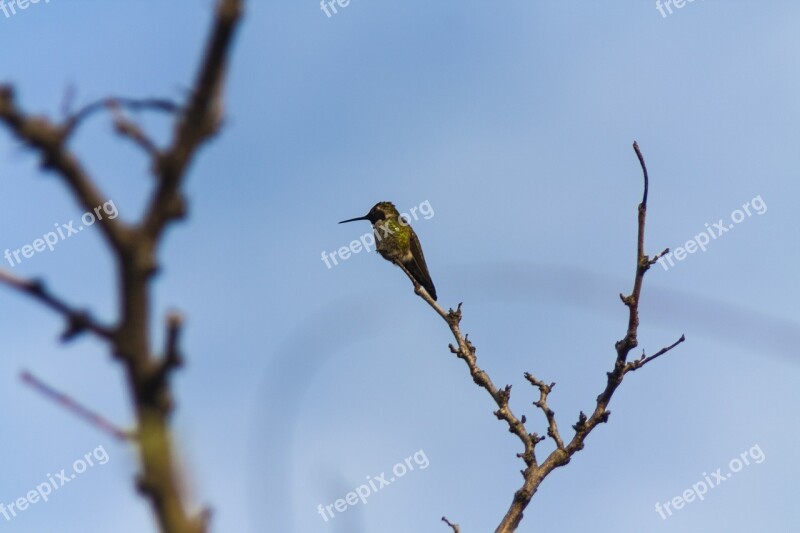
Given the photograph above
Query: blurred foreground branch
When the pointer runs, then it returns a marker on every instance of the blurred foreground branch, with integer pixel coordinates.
(134, 246)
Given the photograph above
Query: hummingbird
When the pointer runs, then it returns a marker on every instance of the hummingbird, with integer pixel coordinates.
(398, 243)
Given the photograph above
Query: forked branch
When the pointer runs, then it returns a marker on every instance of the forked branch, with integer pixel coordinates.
(535, 472)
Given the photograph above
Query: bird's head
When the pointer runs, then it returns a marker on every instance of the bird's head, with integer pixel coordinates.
(379, 212)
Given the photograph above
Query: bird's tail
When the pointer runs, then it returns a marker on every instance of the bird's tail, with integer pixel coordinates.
(422, 277)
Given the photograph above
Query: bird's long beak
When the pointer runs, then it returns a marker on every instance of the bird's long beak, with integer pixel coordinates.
(365, 217)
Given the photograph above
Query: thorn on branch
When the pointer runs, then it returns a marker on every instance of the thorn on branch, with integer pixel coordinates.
(132, 104)
(145, 487)
(580, 426)
(454, 317)
(7, 93)
(77, 324)
(503, 395)
(171, 360)
(172, 354)
(658, 256)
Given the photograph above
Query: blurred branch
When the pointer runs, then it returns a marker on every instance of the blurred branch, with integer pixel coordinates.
(76, 408)
(77, 321)
(131, 104)
(199, 122)
(47, 140)
(132, 131)
(135, 250)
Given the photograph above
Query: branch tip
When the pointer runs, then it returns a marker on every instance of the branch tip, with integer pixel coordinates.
(456, 528)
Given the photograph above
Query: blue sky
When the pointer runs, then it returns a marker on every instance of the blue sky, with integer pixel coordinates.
(514, 120)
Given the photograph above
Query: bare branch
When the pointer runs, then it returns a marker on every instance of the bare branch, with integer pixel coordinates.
(465, 350)
(659, 255)
(644, 171)
(132, 104)
(200, 121)
(132, 131)
(639, 363)
(535, 472)
(135, 250)
(623, 347)
(541, 403)
(77, 321)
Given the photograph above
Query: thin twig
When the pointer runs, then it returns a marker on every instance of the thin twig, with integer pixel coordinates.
(644, 171)
(131, 104)
(76, 408)
(48, 141)
(456, 528)
(541, 403)
(639, 363)
(658, 256)
(132, 131)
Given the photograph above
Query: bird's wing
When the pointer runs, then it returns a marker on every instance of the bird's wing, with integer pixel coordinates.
(419, 268)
